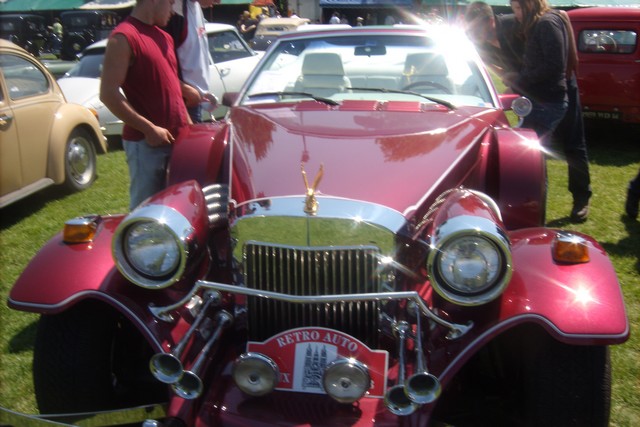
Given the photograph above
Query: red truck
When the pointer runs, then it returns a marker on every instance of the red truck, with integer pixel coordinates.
(609, 62)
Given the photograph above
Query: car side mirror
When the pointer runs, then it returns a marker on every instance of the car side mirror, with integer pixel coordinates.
(229, 98)
(520, 105)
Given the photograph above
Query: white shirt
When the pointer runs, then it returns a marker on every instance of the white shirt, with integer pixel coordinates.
(193, 53)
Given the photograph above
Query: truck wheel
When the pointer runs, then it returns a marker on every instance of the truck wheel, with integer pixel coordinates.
(85, 360)
(80, 162)
(568, 385)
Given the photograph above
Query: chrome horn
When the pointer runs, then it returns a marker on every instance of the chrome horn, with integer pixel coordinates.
(189, 386)
(421, 387)
(167, 367)
(396, 399)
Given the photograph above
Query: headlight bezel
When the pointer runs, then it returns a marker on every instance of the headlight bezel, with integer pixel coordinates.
(453, 231)
(170, 221)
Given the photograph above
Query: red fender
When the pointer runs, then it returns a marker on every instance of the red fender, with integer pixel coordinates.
(522, 176)
(198, 154)
(62, 274)
(577, 303)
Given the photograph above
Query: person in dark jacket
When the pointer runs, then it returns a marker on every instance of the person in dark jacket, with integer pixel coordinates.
(496, 38)
(547, 78)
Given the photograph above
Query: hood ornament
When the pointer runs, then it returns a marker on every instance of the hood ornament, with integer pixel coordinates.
(310, 202)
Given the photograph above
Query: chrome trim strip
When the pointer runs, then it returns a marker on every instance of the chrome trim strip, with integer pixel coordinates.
(332, 207)
(456, 330)
(104, 418)
(481, 339)
(412, 209)
(80, 296)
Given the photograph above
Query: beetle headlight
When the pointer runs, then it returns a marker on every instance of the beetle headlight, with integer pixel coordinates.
(151, 246)
(470, 260)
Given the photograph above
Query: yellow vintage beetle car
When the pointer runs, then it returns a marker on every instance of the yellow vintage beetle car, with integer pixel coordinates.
(44, 139)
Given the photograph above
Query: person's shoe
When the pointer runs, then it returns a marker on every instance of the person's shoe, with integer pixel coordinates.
(631, 204)
(580, 210)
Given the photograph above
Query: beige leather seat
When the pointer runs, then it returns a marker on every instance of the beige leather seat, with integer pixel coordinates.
(427, 67)
(322, 74)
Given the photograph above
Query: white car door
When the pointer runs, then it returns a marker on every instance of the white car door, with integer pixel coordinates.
(233, 61)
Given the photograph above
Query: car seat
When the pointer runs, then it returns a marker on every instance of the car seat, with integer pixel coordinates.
(427, 67)
(322, 74)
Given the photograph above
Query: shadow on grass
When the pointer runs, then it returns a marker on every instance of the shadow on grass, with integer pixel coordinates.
(23, 340)
(15, 212)
(627, 247)
(613, 145)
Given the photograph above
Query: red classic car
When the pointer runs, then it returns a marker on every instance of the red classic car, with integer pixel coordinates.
(360, 242)
(609, 62)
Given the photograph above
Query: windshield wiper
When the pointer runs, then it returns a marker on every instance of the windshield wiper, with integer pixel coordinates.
(327, 101)
(407, 92)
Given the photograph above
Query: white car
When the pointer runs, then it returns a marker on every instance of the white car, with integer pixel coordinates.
(231, 62)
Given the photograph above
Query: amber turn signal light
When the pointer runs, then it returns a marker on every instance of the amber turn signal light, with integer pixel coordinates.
(80, 230)
(569, 248)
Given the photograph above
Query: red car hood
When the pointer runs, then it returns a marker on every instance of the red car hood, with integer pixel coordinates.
(397, 157)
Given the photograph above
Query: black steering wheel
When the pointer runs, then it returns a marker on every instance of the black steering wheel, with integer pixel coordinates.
(427, 83)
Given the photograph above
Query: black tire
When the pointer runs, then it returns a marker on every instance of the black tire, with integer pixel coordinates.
(80, 162)
(86, 359)
(568, 385)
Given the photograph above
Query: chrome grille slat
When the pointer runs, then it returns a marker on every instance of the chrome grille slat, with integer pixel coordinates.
(312, 271)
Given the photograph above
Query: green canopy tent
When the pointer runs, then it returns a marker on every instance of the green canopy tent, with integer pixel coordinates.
(14, 6)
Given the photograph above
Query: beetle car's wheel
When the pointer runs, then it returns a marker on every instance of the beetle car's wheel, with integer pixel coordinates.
(80, 162)
(568, 385)
(88, 359)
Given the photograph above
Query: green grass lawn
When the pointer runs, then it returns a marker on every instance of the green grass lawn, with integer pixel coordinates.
(27, 225)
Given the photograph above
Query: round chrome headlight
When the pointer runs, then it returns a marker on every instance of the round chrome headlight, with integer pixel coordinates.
(150, 246)
(346, 380)
(151, 249)
(470, 261)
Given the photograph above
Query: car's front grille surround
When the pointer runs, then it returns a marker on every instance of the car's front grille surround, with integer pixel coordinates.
(312, 271)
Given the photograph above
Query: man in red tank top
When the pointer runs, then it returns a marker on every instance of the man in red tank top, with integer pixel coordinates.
(140, 60)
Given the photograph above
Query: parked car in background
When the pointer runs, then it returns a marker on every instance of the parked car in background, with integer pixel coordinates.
(25, 30)
(45, 140)
(360, 241)
(58, 67)
(609, 62)
(232, 60)
(270, 28)
(83, 27)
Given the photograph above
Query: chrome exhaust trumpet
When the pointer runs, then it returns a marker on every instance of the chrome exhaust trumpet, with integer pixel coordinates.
(421, 387)
(189, 386)
(396, 399)
(167, 367)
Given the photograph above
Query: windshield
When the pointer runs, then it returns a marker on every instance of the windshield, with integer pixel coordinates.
(90, 65)
(369, 67)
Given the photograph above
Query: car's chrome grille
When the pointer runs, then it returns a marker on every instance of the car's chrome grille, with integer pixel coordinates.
(312, 271)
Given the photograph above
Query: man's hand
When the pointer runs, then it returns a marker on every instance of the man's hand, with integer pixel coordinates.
(158, 136)
(190, 95)
(211, 101)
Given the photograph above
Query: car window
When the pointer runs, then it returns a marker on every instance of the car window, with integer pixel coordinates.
(226, 46)
(90, 65)
(607, 41)
(22, 77)
(7, 27)
(380, 68)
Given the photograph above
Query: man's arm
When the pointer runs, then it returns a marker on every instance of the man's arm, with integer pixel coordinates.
(115, 66)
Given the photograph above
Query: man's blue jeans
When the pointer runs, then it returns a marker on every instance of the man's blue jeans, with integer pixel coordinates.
(147, 169)
(544, 119)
